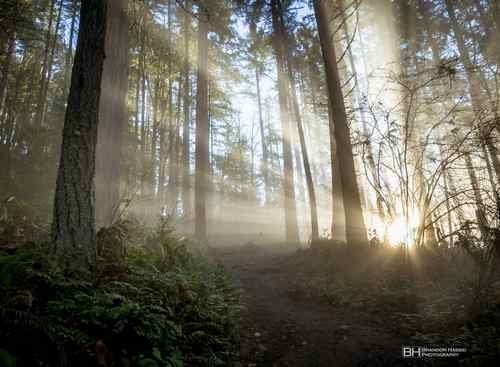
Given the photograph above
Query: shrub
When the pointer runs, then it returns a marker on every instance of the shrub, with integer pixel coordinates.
(156, 305)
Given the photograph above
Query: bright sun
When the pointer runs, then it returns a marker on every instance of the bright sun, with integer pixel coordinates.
(399, 231)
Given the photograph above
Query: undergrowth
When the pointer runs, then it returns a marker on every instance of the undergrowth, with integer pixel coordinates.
(431, 297)
(155, 301)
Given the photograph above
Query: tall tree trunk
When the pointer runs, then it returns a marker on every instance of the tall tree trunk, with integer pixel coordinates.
(171, 187)
(337, 226)
(49, 144)
(157, 110)
(291, 226)
(144, 166)
(474, 89)
(305, 157)
(202, 134)
(112, 114)
(257, 43)
(73, 226)
(475, 95)
(375, 177)
(43, 73)
(51, 61)
(163, 151)
(4, 70)
(355, 224)
(174, 159)
(186, 178)
(42, 93)
(265, 166)
(69, 51)
(136, 166)
(436, 56)
(476, 189)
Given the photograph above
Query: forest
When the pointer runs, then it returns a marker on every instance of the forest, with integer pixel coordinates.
(249, 183)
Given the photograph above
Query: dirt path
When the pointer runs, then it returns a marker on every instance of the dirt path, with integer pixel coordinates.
(282, 328)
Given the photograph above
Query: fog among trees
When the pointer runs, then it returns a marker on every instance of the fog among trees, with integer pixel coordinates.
(355, 141)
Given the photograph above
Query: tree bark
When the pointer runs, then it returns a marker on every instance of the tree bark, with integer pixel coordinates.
(355, 225)
(143, 141)
(265, 165)
(186, 178)
(305, 157)
(291, 226)
(112, 114)
(475, 95)
(474, 90)
(73, 226)
(69, 51)
(4, 70)
(257, 43)
(44, 81)
(359, 101)
(202, 134)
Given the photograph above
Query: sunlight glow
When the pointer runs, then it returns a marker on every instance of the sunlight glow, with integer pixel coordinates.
(399, 231)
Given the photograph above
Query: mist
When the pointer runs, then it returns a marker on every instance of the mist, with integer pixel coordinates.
(284, 182)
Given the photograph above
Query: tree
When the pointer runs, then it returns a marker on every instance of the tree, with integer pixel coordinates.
(489, 149)
(202, 132)
(355, 225)
(298, 118)
(112, 114)
(73, 225)
(256, 47)
(291, 226)
(186, 177)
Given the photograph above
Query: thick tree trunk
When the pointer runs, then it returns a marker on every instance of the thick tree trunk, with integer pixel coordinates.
(355, 224)
(112, 114)
(202, 134)
(291, 226)
(73, 226)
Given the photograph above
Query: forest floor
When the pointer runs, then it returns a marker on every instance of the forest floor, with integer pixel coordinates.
(284, 327)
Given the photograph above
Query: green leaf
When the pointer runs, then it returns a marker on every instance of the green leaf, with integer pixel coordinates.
(157, 354)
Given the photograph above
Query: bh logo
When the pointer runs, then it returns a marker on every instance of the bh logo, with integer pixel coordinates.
(411, 352)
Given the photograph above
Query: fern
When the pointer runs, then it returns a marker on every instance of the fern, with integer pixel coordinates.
(156, 305)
